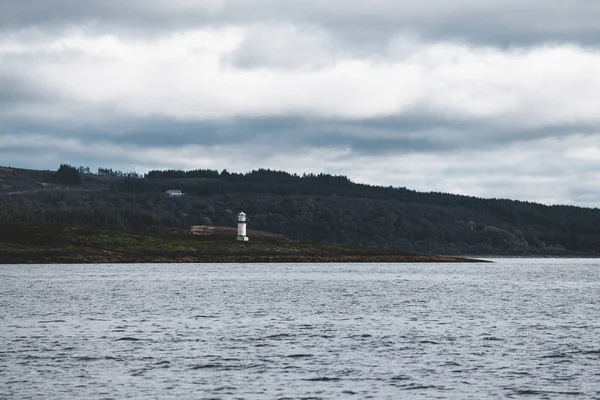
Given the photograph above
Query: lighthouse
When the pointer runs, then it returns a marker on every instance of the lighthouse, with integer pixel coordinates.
(241, 236)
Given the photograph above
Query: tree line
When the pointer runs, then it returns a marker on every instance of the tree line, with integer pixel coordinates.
(315, 207)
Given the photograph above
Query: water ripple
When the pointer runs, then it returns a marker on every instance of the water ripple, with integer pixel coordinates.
(514, 329)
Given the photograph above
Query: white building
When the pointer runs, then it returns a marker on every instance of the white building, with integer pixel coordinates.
(241, 236)
(174, 193)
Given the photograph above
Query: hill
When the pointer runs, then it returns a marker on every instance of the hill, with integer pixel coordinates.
(308, 208)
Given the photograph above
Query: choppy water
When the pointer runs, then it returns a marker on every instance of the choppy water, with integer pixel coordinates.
(517, 328)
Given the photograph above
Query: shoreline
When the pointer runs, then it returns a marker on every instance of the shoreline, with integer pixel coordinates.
(51, 244)
(41, 258)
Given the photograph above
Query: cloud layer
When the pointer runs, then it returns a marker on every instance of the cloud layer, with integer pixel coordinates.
(505, 22)
(495, 99)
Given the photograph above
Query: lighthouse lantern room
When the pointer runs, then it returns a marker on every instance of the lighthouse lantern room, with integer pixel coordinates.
(241, 236)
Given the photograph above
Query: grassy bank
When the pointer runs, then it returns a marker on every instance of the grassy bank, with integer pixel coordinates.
(41, 243)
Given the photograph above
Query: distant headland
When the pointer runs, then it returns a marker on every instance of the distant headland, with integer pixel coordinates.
(308, 208)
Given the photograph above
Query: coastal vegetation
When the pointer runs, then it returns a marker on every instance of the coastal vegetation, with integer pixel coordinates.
(52, 243)
(305, 208)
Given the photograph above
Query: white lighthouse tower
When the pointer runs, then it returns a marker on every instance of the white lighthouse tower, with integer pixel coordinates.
(242, 227)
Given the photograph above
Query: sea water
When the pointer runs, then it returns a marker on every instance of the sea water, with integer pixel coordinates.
(515, 328)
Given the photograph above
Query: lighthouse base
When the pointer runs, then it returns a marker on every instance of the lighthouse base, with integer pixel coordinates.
(242, 238)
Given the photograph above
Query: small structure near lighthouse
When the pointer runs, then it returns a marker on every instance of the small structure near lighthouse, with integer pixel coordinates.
(241, 236)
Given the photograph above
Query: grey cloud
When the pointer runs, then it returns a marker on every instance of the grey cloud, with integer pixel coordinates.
(585, 195)
(60, 13)
(428, 133)
(498, 22)
(400, 134)
(15, 89)
(49, 157)
(276, 133)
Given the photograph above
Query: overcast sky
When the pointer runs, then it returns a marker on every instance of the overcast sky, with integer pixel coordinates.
(491, 98)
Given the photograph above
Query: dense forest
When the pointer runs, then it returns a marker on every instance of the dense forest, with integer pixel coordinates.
(309, 207)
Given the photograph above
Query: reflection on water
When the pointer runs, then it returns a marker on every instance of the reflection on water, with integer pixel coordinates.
(517, 328)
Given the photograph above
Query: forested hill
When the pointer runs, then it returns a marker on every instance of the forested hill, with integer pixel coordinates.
(304, 208)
